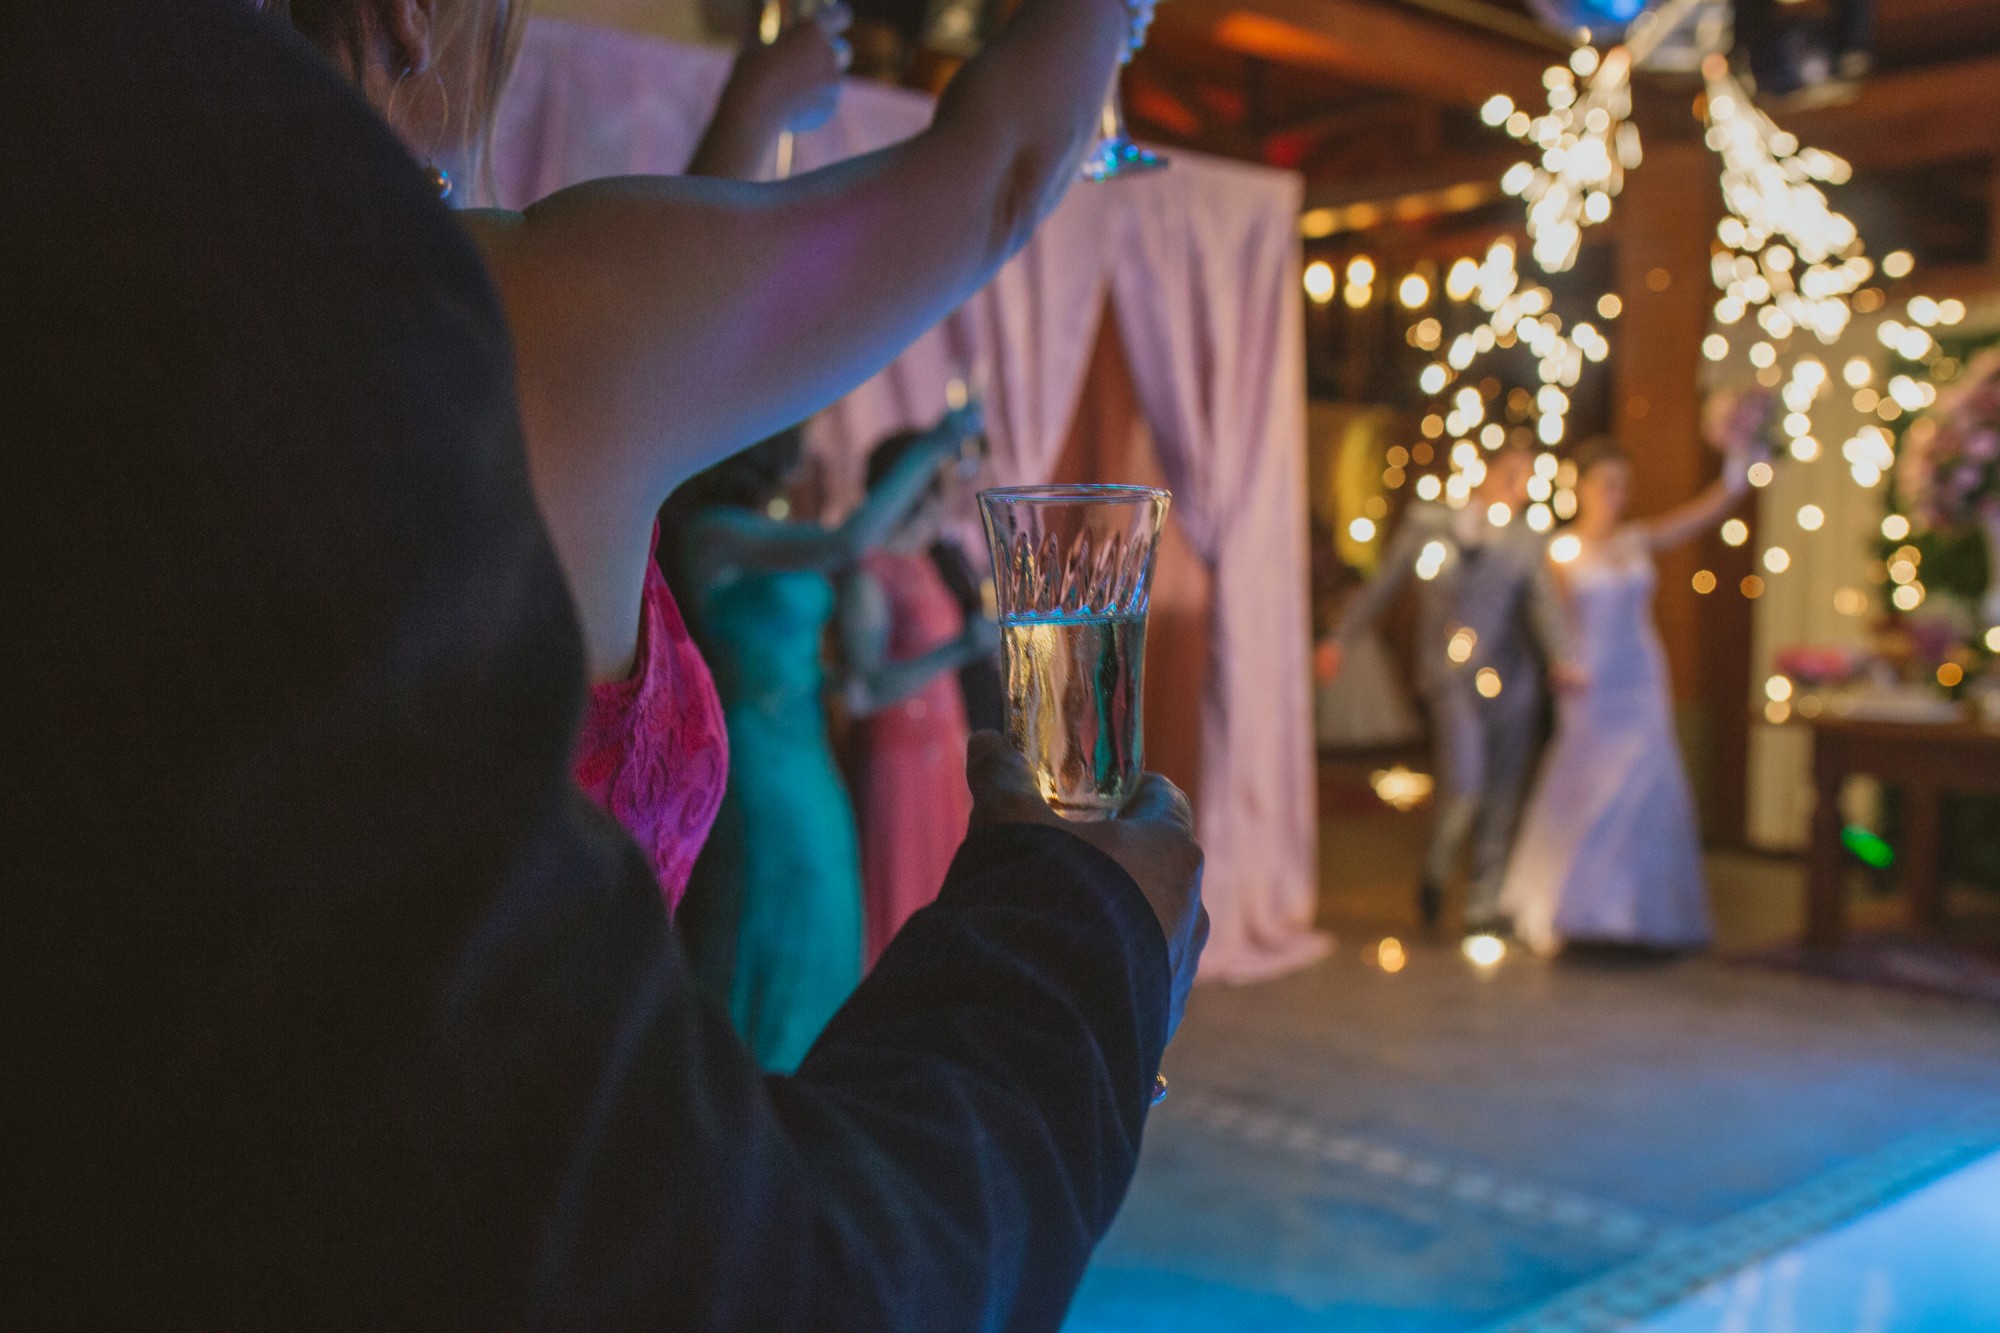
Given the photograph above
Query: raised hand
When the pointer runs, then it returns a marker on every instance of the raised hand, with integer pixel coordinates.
(795, 80)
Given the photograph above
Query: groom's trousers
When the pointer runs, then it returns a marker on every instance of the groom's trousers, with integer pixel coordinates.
(1485, 758)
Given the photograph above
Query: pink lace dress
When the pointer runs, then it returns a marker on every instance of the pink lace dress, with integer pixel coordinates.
(654, 753)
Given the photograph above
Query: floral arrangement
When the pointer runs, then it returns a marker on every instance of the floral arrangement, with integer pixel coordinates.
(1820, 666)
(1949, 468)
(1743, 422)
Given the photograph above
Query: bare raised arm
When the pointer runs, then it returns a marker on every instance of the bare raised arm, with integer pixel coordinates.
(664, 323)
(1689, 521)
(871, 682)
(791, 85)
(722, 540)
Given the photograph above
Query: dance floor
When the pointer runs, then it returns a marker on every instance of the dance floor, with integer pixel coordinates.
(1579, 1145)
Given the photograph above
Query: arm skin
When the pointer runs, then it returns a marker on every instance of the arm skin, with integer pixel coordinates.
(662, 324)
(873, 683)
(1680, 526)
(720, 541)
(1548, 620)
(791, 86)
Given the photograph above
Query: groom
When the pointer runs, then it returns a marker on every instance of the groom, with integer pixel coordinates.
(1489, 631)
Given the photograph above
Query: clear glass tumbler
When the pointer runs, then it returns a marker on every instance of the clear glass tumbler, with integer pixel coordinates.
(1073, 570)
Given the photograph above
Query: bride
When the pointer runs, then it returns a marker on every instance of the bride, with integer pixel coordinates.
(1609, 852)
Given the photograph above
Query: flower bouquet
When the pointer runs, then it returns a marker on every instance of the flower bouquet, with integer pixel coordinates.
(1949, 469)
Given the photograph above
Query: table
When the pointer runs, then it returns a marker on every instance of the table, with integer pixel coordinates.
(1926, 760)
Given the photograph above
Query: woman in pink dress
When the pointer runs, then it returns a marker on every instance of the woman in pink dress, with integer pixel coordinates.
(654, 752)
(904, 635)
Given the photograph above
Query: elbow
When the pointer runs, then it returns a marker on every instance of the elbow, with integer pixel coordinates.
(1014, 175)
(1028, 189)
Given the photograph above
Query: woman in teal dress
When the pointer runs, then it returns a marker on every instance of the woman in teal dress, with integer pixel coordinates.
(773, 918)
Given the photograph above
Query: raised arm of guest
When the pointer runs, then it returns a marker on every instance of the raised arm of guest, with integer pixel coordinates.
(789, 86)
(662, 324)
(871, 682)
(721, 539)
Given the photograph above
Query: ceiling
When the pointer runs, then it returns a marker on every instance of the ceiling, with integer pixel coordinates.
(1376, 99)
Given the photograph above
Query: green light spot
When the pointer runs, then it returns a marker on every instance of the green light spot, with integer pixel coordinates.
(1871, 850)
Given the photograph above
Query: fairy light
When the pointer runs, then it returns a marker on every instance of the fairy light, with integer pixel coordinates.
(1362, 530)
(1735, 532)
(1858, 373)
(1787, 258)
(1565, 549)
(1414, 291)
(1585, 143)
(1812, 518)
(1320, 282)
(1430, 561)
(1896, 527)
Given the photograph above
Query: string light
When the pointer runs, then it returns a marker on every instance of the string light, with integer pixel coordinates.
(1786, 255)
(1320, 282)
(1812, 518)
(1586, 143)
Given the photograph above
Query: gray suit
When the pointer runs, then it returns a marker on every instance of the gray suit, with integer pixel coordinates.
(1485, 607)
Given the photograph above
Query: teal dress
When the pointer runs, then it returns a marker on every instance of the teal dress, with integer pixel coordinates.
(773, 915)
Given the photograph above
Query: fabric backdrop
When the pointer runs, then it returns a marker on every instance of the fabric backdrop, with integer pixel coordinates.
(1199, 266)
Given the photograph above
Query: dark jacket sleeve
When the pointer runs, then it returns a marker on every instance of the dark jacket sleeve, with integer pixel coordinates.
(946, 1158)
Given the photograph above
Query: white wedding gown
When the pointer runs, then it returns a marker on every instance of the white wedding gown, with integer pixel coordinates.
(1608, 851)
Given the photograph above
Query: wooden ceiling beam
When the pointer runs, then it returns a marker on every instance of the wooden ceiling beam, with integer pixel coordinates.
(1907, 117)
(1371, 44)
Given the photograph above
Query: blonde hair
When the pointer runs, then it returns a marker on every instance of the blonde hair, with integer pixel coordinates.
(493, 28)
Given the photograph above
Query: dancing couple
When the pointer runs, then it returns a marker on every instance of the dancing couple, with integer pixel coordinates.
(1608, 851)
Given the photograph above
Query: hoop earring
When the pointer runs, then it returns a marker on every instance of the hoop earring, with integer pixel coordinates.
(440, 179)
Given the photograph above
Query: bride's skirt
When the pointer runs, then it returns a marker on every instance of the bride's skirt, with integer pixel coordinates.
(1609, 851)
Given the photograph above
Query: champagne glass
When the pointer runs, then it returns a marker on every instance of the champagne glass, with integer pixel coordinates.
(1073, 572)
(1116, 154)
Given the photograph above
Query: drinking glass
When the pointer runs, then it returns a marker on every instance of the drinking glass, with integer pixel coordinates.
(1073, 576)
(1116, 155)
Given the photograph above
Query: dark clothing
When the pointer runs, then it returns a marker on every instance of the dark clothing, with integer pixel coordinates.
(978, 680)
(332, 1004)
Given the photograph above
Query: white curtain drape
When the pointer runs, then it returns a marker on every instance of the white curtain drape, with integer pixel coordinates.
(1199, 266)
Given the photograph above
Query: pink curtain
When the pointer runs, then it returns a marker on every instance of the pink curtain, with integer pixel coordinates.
(1200, 268)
